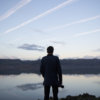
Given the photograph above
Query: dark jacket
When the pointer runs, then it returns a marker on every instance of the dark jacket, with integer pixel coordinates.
(50, 69)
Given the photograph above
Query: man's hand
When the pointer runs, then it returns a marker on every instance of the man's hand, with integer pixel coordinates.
(60, 82)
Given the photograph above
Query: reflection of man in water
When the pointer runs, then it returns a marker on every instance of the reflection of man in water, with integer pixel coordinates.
(51, 71)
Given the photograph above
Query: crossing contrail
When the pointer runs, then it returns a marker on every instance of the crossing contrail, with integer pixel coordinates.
(87, 32)
(20, 38)
(17, 39)
(41, 15)
(76, 22)
(14, 9)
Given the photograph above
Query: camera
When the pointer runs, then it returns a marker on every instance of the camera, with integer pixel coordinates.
(62, 86)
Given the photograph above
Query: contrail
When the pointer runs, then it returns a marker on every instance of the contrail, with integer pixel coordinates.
(41, 15)
(87, 32)
(14, 94)
(76, 22)
(14, 9)
(16, 40)
(19, 39)
(29, 36)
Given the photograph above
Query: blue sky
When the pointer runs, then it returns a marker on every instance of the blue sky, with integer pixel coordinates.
(28, 27)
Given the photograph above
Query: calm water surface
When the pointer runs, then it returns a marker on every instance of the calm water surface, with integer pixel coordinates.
(29, 86)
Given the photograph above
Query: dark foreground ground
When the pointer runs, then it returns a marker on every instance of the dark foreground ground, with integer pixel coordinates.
(85, 96)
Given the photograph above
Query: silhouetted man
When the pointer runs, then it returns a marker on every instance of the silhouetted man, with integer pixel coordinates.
(51, 71)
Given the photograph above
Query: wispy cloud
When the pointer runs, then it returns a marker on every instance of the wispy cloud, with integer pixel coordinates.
(59, 45)
(31, 47)
(91, 57)
(97, 50)
(46, 40)
(87, 32)
(7, 57)
(40, 31)
(57, 42)
(4, 57)
(17, 39)
(41, 15)
(85, 57)
(14, 9)
(51, 39)
(76, 22)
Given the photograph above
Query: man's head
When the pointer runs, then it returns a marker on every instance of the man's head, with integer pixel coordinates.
(50, 49)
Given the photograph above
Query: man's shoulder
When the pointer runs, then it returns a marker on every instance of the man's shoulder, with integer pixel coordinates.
(53, 56)
(44, 57)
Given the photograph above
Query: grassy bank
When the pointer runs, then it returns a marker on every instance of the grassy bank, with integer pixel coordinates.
(84, 96)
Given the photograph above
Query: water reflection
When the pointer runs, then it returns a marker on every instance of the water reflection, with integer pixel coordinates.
(92, 75)
(97, 82)
(13, 94)
(26, 87)
(29, 86)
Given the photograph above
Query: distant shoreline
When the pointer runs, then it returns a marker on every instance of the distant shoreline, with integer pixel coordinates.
(69, 66)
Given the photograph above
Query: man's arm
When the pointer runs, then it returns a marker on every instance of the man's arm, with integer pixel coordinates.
(42, 68)
(59, 70)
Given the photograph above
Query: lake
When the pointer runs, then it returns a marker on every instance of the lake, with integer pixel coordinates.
(29, 86)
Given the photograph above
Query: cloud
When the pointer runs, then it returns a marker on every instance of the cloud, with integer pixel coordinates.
(26, 87)
(59, 45)
(49, 39)
(91, 57)
(72, 57)
(6, 57)
(40, 31)
(76, 22)
(16, 39)
(31, 47)
(57, 42)
(19, 39)
(14, 57)
(97, 50)
(14, 9)
(41, 15)
(88, 57)
(8, 45)
(84, 57)
(87, 32)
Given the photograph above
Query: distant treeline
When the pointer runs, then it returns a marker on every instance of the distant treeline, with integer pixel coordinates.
(69, 66)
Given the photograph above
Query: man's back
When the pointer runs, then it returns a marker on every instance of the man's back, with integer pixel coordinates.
(51, 71)
(50, 68)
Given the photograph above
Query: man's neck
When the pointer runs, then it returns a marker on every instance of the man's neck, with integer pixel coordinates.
(50, 53)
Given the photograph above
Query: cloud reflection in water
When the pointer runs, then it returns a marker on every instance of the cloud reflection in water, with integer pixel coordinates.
(97, 82)
(26, 87)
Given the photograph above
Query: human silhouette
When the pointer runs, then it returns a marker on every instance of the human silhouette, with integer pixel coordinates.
(50, 69)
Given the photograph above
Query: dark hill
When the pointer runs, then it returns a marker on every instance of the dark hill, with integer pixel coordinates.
(69, 66)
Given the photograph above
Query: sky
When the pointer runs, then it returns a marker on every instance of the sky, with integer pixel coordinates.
(28, 27)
